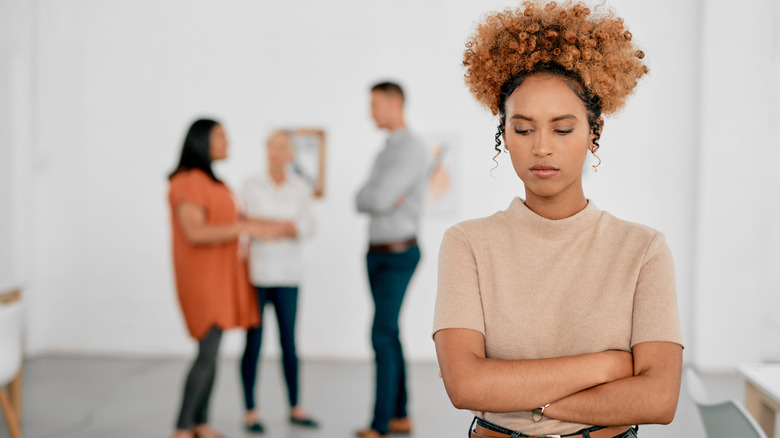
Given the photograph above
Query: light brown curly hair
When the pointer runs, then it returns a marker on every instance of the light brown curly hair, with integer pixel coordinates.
(595, 49)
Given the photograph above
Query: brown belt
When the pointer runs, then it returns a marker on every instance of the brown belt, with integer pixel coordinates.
(609, 432)
(394, 246)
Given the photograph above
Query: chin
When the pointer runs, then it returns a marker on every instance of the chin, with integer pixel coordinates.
(543, 192)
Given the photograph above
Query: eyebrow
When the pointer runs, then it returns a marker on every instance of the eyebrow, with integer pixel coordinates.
(554, 119)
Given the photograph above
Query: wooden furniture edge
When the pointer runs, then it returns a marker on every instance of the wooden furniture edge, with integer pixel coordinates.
(11, 296)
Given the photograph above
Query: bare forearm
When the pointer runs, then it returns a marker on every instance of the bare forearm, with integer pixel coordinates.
(266, 229)
(648, 397)
(476, 382)
(261, 221)
(209, 234)
(508, 386)
(634, 400)
(197, 230)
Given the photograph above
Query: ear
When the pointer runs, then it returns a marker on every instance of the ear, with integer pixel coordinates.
(398, 102)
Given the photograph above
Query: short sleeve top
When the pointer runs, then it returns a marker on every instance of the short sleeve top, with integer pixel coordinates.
(211, 280)
(539, 288)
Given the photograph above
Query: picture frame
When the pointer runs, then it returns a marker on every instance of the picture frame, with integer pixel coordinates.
(309, 160)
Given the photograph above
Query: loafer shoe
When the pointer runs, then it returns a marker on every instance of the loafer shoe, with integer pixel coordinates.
(400, 426)
(303, 422)
(256, 427)
(369, 433)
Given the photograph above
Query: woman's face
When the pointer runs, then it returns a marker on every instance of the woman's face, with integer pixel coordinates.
(218, 143)
(547, 135)
(279, 151)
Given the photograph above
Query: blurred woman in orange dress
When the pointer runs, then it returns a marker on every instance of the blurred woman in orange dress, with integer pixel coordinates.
(211, 279)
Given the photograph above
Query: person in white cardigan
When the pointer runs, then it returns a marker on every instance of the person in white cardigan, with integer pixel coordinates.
(278, 198)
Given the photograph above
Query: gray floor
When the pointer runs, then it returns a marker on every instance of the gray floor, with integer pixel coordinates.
(68, 397)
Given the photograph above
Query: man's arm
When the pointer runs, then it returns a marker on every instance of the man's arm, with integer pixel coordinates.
(475, 382)
(649, 396)
(399, 170)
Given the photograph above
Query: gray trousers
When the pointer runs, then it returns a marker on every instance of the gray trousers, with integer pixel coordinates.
(200, 380)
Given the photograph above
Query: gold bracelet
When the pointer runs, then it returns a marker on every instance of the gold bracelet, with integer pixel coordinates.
(539, 413)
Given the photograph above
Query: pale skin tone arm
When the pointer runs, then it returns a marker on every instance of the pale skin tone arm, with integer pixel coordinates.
(198, 231)
(608, 388)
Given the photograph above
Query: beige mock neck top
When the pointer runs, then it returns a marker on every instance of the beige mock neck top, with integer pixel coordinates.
(538, 288)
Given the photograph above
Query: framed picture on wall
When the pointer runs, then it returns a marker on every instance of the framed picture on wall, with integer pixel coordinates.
(309, 160)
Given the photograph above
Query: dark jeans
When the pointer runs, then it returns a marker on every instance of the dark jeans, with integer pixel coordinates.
(389, 274)
(285, 301)
(200, 380)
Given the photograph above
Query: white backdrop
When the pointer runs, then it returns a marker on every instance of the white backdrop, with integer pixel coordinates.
(115, 84)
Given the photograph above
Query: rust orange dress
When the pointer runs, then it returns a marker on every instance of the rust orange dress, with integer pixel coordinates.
(211, 280)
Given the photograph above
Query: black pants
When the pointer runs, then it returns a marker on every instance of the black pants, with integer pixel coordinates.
(200, 380)
(285, 301)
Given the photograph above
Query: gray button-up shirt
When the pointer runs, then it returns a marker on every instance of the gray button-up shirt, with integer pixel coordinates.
(400, 169)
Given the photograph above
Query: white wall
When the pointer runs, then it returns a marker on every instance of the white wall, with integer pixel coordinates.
(737, 252)
(118, 82)
(16, 94)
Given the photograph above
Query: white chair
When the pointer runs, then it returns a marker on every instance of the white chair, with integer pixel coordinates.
(721, 419)
(10, 359)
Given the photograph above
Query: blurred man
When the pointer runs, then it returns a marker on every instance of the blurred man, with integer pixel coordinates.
(393, 197)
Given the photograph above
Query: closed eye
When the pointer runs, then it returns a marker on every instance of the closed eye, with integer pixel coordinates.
(522, 131)
(563, 131)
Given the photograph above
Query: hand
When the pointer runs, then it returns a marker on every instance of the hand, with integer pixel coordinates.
(265, 230)
(620, 364)
(401, 199)
(289, 229)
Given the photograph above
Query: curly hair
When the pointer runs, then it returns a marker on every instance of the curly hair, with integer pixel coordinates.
(567, 39)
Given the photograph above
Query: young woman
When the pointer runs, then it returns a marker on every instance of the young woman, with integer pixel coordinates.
(211, 281)
(280, 198)
(553, 317)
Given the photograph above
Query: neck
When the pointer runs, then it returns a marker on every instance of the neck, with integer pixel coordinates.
(277, 175)
(557, 207)
(396, 125)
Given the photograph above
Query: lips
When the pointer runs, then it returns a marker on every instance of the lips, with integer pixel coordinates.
(544, 170)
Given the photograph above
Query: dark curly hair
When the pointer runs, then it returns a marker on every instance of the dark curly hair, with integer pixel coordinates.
(593, 53)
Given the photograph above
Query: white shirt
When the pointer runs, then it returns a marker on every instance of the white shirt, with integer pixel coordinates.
(278, 262)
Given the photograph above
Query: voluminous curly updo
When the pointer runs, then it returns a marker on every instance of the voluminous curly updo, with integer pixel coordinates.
(567, 39)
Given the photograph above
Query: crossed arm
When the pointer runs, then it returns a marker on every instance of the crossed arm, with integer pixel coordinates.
(610, 388)
(387, 185)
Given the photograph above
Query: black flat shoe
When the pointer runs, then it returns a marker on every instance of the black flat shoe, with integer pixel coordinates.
(303, 422)
(256, 427)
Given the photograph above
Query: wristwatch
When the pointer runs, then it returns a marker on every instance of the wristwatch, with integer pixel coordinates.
(539, 413)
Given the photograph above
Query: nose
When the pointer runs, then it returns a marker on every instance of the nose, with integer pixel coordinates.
(543, 146)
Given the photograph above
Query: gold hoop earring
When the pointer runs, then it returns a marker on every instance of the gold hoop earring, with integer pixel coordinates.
(597, 164)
